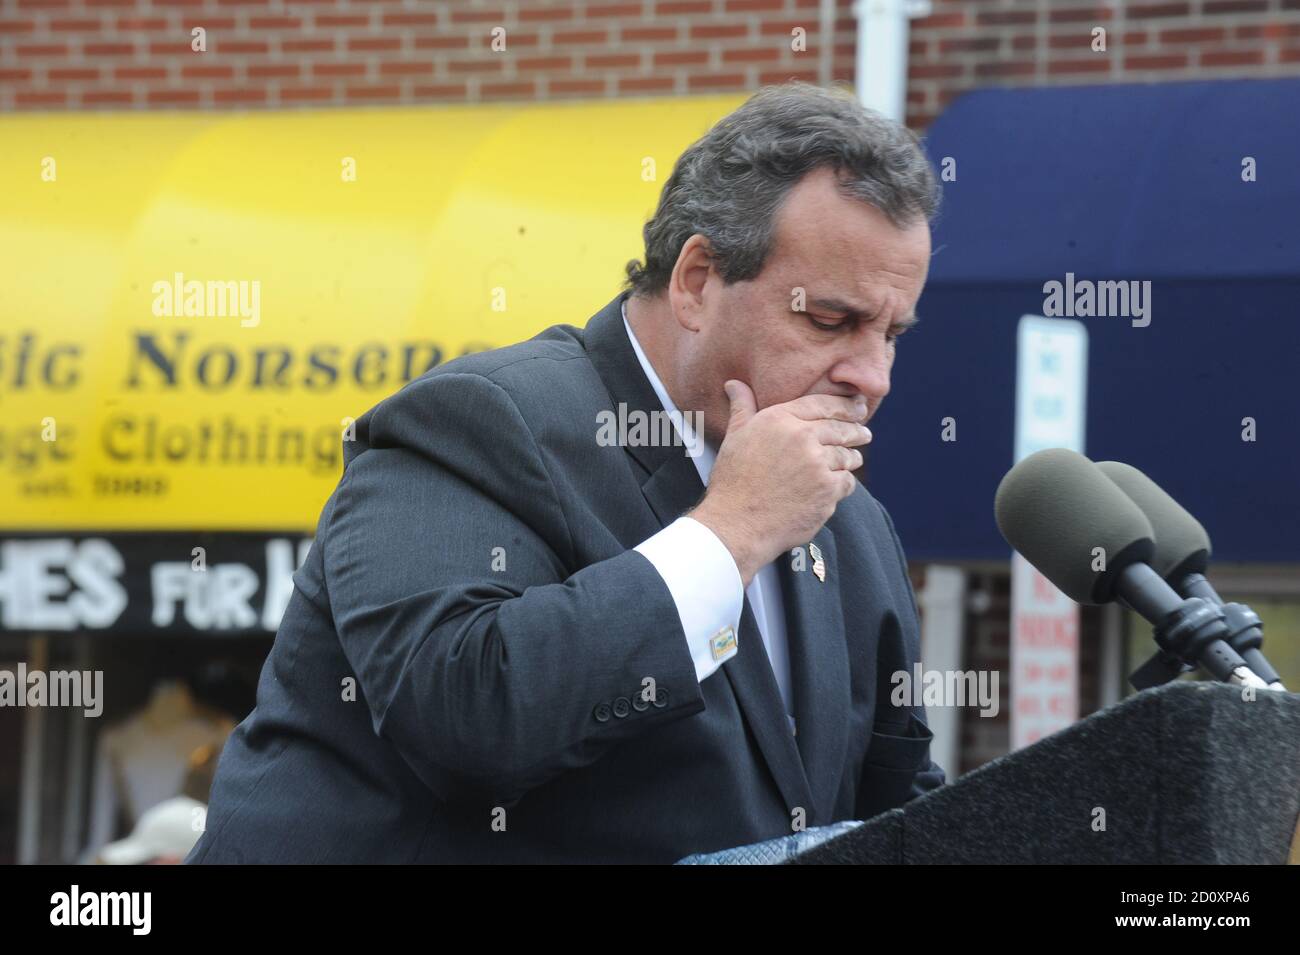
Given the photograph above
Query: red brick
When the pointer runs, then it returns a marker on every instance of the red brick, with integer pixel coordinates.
(172, 97)
(637, 34)
(711, 31)
(241, 94)
(478, 16)
(338, 69)
(242, 46)
(550, 14)
(16, 76)
(40, 98)
(1025, 41)
(330, 20)
(406, 68)
(141, 23)
(673, 8)
(567, 37)
(1007, 68)
(768, 27)
(115, 3)
(607, 61)
(681, 57)
(495, 65)
(275, 23)
(43, 49)
(1150, 11)
(784, 76)
(710, 81)
(1194, 35)
(1085, 14)
(267, 71)
(17, 26)
(752, 55)
(74, 74)
(1213, 7)
(1232, 58)
(374, 92)
(939, 21)
(1005, 17)
(306, 46)
(927, 71)
(576, 87)
(102, 97)
(410, 19)
(375, 43)
(1166, 61)
(614, 10)
(202, 71)
(302, 94)
(545, 63)
(963, 44)
(1071, 41)
(43, 4)
(512, 88)
(442, 42)
(74, 26)
(172, 48)
(1096, 64)
(442, 90)
(645, 84)
(747, 6)
(140, 73)
(209, 24)
(1269, 31)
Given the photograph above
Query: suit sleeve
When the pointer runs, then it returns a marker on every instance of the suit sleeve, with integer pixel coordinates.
(487, 660)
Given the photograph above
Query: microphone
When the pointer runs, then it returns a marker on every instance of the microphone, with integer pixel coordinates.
(1182, 557)
(1088, 538)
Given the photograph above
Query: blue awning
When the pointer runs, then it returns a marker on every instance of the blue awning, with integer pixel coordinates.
(1133, 182)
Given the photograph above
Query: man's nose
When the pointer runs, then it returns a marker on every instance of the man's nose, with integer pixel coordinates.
(867, 374)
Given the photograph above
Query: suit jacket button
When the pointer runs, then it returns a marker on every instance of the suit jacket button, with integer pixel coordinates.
(602, 712)
(661, 697)
(622, 707)
(639, 702)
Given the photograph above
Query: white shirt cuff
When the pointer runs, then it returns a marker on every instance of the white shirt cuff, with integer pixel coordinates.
(705, 583)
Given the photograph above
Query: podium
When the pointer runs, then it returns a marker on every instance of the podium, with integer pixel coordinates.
(1183, 773)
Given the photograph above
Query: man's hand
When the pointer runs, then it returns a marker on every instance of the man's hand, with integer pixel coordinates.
(780, 473)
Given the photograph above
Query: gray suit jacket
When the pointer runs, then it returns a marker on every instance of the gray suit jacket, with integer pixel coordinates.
(473, 578)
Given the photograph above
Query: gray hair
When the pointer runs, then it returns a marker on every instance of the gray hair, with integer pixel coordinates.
(729, 184)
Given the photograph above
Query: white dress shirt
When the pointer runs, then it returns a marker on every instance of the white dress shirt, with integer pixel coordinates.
(702, 575)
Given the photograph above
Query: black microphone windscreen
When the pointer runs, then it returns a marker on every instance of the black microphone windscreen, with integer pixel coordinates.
(1056, 509)
(1182, 544)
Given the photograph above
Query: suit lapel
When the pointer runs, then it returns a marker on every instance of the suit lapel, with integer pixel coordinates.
(819, 670)
(673, 486)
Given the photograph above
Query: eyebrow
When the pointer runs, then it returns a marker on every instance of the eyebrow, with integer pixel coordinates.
(853, 312)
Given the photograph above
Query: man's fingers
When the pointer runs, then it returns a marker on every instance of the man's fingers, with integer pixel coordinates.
(812, 407)
(842, 458)
(847, 433)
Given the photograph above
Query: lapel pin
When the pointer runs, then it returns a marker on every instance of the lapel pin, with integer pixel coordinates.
(819, 565)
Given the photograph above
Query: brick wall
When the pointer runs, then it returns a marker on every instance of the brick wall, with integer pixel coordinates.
(136, 54)
(965, 44)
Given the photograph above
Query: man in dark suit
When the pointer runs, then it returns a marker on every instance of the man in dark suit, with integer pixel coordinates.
(526, 633)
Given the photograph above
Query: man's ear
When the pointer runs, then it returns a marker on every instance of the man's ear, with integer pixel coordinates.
(686, 286)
